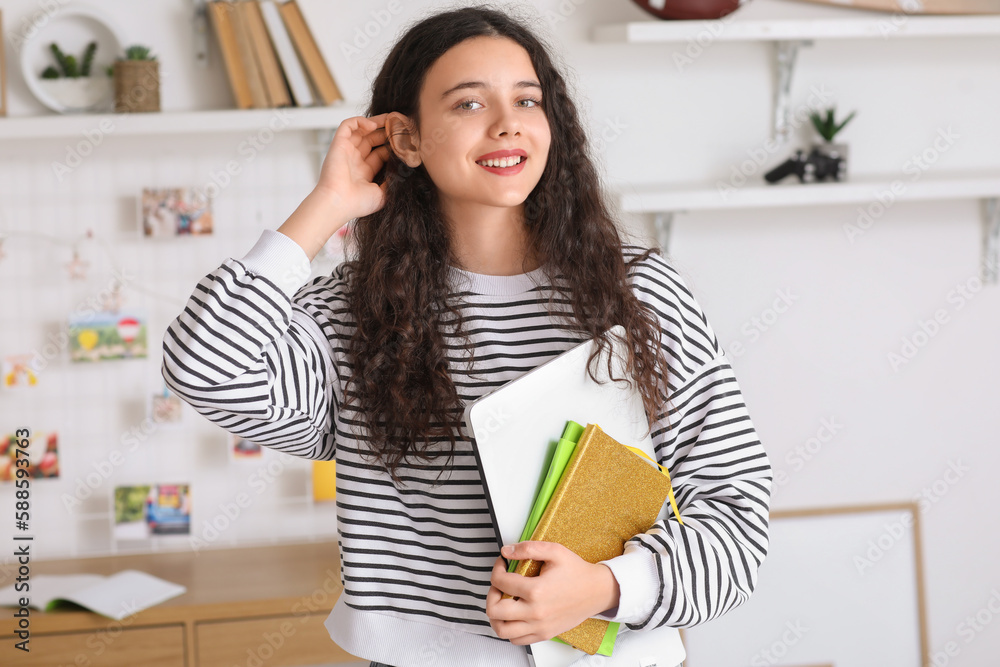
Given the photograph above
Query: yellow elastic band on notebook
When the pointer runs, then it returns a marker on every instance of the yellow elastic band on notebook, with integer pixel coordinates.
(670, 487)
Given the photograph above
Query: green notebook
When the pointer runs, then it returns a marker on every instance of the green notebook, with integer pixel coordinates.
(557, 464)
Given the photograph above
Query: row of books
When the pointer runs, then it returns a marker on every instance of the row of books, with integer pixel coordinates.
(271, 57)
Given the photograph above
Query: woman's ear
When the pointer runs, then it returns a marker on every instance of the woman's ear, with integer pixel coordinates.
(401, 134)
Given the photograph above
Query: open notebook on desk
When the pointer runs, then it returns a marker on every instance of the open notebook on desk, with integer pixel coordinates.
(514, 428)
(116, 596)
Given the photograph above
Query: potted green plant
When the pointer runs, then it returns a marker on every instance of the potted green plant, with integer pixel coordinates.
(71, 83)
(827, 127)
(137, 80)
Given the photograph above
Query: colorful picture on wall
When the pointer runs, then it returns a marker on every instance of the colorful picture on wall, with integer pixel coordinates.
(107, 335)
(145, 511)
(42, 455)
(18, 371)
(241, 449)
(324, 480)
(171, 212)
(166, 408)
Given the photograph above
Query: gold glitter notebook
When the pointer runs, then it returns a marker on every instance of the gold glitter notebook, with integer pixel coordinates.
(606, 495)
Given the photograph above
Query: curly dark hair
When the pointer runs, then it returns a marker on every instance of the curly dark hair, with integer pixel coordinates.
(398, 288)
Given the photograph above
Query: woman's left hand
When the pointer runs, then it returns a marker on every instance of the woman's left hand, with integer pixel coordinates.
(567, 591)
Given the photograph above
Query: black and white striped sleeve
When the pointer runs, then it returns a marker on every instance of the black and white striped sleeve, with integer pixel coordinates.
(248, 353)
(683, 575)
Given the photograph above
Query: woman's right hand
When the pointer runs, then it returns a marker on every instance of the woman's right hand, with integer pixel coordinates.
(345, 189)
(357, 152)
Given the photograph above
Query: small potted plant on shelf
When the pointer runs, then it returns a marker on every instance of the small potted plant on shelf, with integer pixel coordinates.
(137, 80)
(827, 128)
(71, 84)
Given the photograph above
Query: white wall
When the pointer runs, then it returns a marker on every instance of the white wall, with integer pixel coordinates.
(825, 358)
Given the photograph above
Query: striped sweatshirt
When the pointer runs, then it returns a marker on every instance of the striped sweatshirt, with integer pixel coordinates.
(261, 350)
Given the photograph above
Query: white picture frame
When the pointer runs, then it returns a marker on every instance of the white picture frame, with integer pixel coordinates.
(820, 562)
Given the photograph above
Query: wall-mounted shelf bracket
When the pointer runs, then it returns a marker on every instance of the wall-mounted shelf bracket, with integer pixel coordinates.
(324, 137)
(662, 222)
(991, 240)
(199, 40)
(785, 53)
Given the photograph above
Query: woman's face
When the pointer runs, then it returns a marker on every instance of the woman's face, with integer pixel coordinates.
(482, 96)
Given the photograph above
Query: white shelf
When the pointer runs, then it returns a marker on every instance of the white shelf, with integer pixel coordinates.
(176, 122)
(662, 202)
(653, 198)
(774, 20)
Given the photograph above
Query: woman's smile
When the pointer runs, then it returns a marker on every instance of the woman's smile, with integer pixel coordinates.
(503, 167)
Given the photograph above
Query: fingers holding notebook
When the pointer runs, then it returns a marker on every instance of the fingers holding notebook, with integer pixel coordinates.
(567, 591)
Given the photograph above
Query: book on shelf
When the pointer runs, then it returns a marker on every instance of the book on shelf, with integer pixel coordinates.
(270, 54)
(298, 83)
(267, 60)
(251, 65)
(115, 596)
(221, 14)
(309, 52)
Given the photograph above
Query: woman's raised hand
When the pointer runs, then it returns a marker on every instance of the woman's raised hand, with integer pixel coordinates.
(345, 189)
(357, 152)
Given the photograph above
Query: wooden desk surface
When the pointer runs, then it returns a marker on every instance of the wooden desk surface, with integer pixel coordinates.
(250, 581)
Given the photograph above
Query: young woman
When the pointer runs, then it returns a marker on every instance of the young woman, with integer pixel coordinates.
(483, 249)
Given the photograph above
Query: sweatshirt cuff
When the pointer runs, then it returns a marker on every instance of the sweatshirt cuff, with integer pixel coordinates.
(279, 259)
(639, 583)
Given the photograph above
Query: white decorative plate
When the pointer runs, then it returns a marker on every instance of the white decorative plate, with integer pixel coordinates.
(72, 27)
